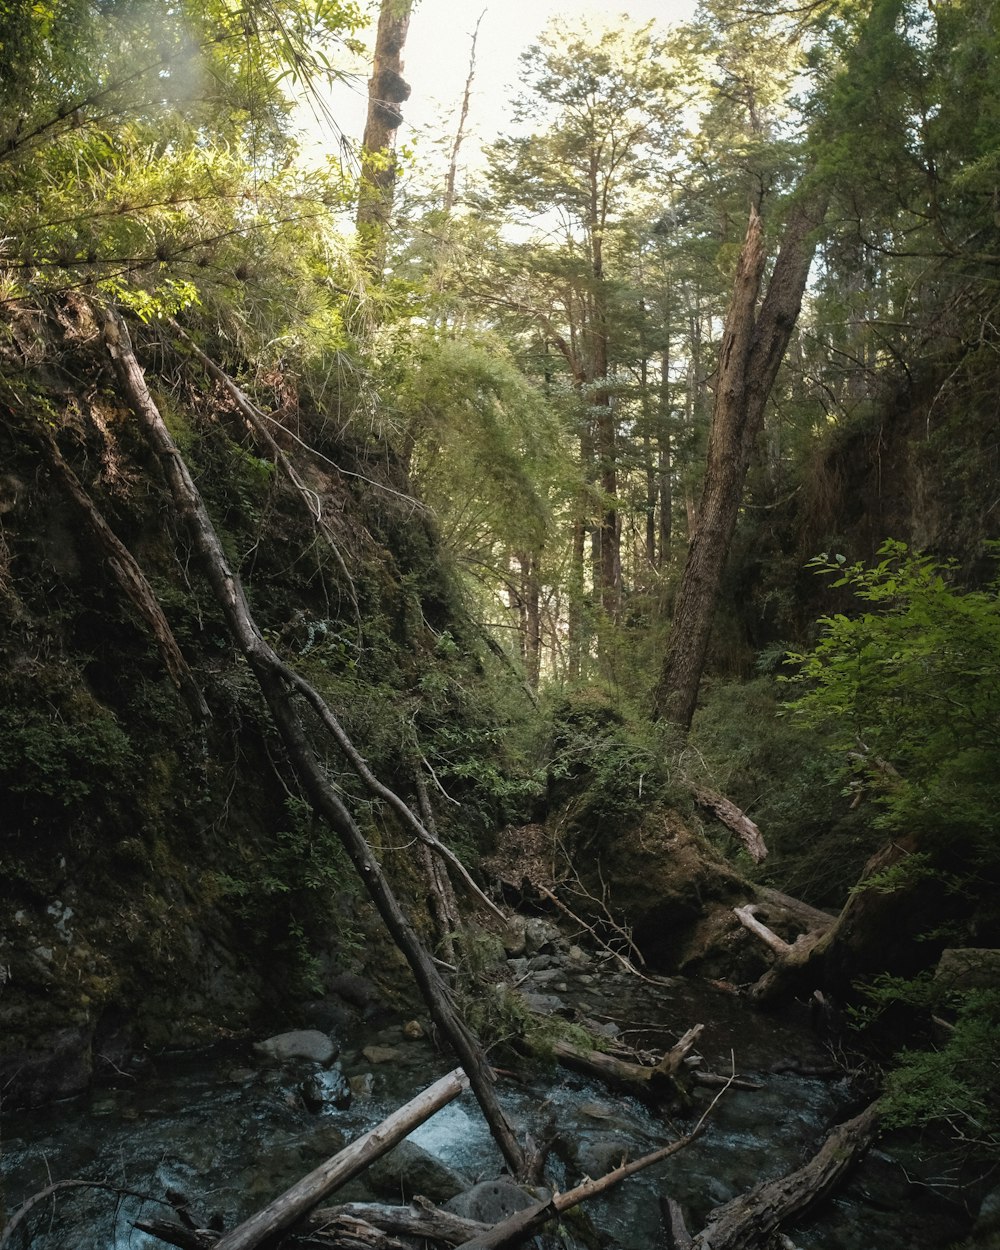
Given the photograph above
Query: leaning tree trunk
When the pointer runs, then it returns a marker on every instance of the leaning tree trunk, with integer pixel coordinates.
(753, 344)
(387, 89)
(281, 687)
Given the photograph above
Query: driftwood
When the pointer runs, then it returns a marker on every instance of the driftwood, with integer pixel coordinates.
(735, 820)
(657, 1084)
(312, 1189)
(750, 1221)
(280, 685)
(522, 1224)
(420, 1219)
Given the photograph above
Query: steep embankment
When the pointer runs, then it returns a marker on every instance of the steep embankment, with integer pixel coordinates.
(163, 880)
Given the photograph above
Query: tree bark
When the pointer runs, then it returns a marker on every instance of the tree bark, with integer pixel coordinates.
(735, 819)
(279, 685)
(752, 348)
(749, 1222)
(387, 90)
(348, 1163)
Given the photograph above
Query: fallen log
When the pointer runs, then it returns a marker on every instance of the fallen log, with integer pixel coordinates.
(750, 1221)
(522, 1224)
(735, 820)
(420, 1219)
(655, 1084)
(338, 1170)
(281, 687)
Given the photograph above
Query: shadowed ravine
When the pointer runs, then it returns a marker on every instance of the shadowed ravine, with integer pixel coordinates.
(229, 1133)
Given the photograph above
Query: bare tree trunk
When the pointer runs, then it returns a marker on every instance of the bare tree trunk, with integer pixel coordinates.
(387, 90)
(749, 1222)
(280, 686)
(306, 1193)
(751, 351)
(449, 190)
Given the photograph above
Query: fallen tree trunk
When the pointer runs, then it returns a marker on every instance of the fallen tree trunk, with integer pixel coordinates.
(279, 684)
(750, 1221)
(653, 1084)
(522, 1224)
(349, 1162)
(735, 820)
(420, 1219)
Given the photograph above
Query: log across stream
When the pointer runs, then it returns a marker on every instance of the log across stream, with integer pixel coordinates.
(228, 1134)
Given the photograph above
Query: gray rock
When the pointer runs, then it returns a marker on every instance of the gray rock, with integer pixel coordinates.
(540, 936)
(362, 1085)
(381, 1054)
(326, 1089)
(971, 968)
(542, 1004)
(409, 1169)
(513, 937)
(298, 1044)
(492, 1201)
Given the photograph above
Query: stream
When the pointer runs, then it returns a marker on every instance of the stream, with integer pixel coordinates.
(229, 1132)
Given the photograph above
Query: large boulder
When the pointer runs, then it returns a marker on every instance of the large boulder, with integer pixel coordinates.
(309, 1044)
(408, 1170)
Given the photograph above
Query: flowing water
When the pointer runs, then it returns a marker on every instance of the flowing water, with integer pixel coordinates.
(229, 1134)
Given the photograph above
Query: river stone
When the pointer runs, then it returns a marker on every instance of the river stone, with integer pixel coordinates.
(381, 1054)
(413, 1030)
(298, 1044)
(513, 937)
(540, 936)
(362, 1085)
(408, 1170)
(326, 1089)
(493, 1201)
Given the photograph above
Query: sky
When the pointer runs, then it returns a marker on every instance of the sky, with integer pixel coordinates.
(436, 61)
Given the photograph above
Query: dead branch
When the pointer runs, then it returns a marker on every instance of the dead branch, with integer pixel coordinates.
(734, 819)
(749, 1222)
(350, 1162)
(257, 419)
(278, 684)
(516, 1228)
(624, 960)
(420, 1219)
(29, 1204)
(656, 1084)
(133, 583)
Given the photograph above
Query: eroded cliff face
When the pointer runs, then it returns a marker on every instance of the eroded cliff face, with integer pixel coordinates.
(163, 881)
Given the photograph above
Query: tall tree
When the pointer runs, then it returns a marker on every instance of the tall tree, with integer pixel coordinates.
(607, 114)
(387, 90)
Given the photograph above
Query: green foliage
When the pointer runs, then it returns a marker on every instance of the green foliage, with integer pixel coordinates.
(951, 1082)
(787, 779)
(612, 767)
(911, 693)
(58, 756)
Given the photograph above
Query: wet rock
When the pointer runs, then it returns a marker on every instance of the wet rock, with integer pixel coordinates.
(362, 1085)
(492, 1201)
(58, 1065)
(381, 1054)
(298, 1044)
(353, 989)
(541, 936)
(408, 1169)
(322, 1090)
(513, 937)
(543, 1004)
(329, 1015)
